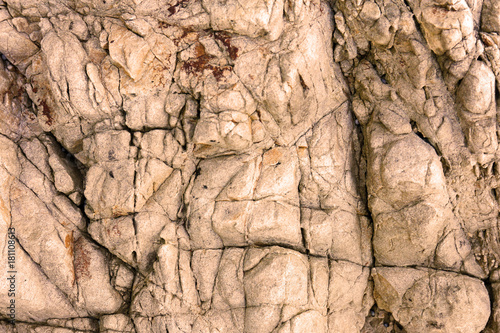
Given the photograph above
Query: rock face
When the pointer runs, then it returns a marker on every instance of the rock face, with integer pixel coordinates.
(264, 166)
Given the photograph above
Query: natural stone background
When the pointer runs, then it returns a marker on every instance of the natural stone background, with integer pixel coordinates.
(280, 166)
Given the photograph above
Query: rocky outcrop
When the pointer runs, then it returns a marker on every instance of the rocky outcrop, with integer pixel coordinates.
(279, 166)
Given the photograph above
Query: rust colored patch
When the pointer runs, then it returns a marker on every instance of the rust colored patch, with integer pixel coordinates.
(68, 243)
(196, 65)
(219, 72)
(186, 31)
(47, 112)
(199, 50)
(272, 157)
(225, 39)
(201, 62)
(302, 152)
(487, 42)
(81, 260)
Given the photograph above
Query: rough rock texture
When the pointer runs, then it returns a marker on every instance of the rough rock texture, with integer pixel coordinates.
(263, 166)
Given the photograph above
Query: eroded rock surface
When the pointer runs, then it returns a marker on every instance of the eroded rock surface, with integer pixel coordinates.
(281, 166)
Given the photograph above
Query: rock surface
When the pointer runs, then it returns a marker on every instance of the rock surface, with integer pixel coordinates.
(278, 166)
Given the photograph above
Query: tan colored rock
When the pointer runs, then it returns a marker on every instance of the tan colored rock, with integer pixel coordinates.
(475, 94)
(489, 19)
(280, 166)
(427, 300)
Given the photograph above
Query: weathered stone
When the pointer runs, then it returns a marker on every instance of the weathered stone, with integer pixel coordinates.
(426, 300)
(280, 166)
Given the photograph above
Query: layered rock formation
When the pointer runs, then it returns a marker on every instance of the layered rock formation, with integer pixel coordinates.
(280, 166)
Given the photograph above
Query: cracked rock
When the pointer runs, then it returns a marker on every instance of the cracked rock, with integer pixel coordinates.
(282, 166)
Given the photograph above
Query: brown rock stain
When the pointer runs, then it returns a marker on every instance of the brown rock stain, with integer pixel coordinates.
(302, 152)
(43, 99)
(225, 39)
(113, 229)
(46, 112)
(198, 65)
(116, 230)
(201, 148)
(69, 242)
(199, 50)
(272, 157)
(441, 12)
(159, 76)
(187, 33)
(81, 260)
(116, 211)
(174, 8)
(218, 72)
(163, 25)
